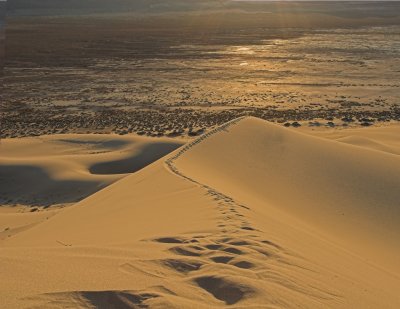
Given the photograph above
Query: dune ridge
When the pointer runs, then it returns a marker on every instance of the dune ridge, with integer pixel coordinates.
(352, 181)
(212, 237)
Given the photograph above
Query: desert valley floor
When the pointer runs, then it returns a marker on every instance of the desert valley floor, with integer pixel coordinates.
(248, 215)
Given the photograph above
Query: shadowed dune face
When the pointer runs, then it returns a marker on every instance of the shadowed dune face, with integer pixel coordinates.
(144, 157)
(106, 144)
(62, 170)
(33, 185)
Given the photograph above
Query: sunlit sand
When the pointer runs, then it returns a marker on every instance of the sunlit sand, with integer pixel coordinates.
(199, 154)
(248, 214)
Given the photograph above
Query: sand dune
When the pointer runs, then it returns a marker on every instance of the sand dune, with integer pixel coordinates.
(384, 139)
(248, 215)
(63, 169)
(46, 173)
(351, 193)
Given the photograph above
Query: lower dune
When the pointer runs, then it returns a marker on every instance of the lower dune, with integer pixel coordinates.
(64, 169)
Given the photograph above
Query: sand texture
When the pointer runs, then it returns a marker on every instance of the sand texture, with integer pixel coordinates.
(248, 215)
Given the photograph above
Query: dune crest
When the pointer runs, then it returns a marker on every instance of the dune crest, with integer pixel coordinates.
(326, 184)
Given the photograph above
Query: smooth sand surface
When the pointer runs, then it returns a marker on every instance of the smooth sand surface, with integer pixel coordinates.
(250, 215)
(63, 169)
(41, 175)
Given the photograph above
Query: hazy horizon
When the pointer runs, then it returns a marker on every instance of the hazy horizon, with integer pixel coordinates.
(78, 7)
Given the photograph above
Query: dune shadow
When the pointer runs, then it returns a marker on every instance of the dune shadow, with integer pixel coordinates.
(102, 144)
(146, 156)
(33, 186)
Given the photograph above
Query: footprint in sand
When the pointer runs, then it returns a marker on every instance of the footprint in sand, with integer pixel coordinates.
(183, 266)
(187, 251)
(223, 289)
(97, 299)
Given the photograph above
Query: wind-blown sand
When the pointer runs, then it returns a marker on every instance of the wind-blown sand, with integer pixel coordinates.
(249, 215)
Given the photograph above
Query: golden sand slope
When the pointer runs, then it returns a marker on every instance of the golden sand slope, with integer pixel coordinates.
(250, 215)
(47, 172)
(63, 169)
